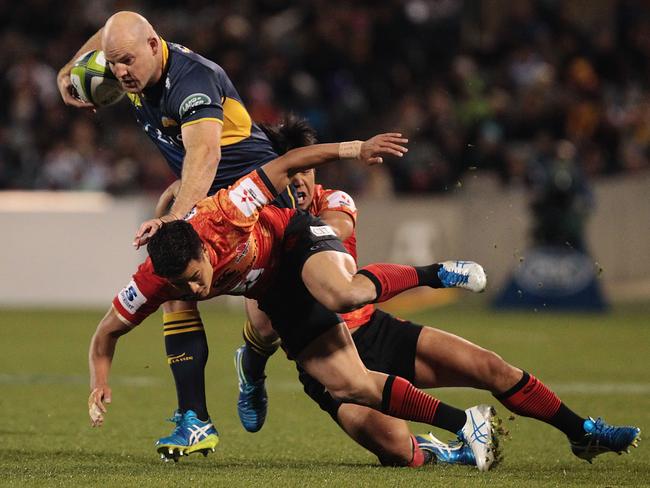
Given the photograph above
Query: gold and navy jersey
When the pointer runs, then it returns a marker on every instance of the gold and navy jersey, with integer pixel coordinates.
(193, 89)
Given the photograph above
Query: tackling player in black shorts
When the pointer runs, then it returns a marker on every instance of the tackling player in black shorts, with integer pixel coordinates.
(425, 356)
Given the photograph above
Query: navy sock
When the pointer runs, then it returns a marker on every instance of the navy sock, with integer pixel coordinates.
(187, 355)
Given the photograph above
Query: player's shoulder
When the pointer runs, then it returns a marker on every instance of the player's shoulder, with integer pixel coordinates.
(185, 63)
(335, 199)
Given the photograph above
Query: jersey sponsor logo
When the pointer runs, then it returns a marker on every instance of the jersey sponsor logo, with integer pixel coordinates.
(322, 230)
(247, 197)
(181, 47)
(158, 135)
(179, 358)
(340, 199)
(194, 100)
(241, 251)
(131, 298)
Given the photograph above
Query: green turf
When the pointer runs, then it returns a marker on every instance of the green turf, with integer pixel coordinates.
(45, 438)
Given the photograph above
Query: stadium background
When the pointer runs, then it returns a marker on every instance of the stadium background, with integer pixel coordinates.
(492, 94)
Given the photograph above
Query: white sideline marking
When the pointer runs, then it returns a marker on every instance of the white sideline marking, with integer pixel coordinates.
(578, 388)
(62, 379)
(587, 388)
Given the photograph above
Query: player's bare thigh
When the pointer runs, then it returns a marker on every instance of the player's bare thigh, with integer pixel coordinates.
(330, 276)
(333, 360)
(444, 359)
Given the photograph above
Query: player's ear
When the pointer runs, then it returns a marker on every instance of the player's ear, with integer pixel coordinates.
(154, 44)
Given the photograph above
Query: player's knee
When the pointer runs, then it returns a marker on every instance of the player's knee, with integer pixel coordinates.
(359, 392)
(496, 371)
(343, 300)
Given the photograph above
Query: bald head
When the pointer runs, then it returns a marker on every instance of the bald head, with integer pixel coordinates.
(133, 50)
(126, 27)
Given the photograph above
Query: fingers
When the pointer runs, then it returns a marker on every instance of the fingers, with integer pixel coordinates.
(395, 149)
(73, 101)
(70, 97)
(97, 409)
(96, 416)
(389, 144)
(375, 160)
(145, 232)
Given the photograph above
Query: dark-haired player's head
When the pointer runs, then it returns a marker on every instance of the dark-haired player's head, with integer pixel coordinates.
(291, 133)
(178, 254)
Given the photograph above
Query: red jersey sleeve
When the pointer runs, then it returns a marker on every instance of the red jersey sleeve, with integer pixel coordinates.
(240, 203)
(339, 201)
(142, 295)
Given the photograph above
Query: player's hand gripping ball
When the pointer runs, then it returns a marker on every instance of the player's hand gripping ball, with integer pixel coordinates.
(94, 81)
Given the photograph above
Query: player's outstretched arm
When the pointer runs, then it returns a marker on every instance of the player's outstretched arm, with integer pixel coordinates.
(202, 155)
(100, 358)
(280, 170)
(63, 78)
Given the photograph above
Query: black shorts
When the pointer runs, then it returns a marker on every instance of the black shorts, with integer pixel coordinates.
(385, 344)
(296, 315)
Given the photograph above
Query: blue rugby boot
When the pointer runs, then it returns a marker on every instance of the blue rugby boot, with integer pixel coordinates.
(462, 274)
(601, 437)
(479, 434)
(439, 452)
(190, 435)
(253, 401)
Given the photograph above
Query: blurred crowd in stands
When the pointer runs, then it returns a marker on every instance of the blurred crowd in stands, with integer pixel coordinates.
(484, 85)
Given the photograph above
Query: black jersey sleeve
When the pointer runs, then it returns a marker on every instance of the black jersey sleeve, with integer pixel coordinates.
(196, 94)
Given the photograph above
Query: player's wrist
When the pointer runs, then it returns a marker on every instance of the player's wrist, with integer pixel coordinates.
(350, 150)
(170, 217)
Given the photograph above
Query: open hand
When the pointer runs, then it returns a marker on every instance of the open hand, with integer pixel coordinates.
(389, 144)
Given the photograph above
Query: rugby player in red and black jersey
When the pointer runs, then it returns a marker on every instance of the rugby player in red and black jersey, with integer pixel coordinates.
(229, 246)
(425, 356)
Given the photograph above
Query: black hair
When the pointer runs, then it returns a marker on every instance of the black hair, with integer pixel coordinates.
(173, 247)
(289, 134)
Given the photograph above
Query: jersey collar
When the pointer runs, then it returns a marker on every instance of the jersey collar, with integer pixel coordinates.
(165, 54)
(154, 92)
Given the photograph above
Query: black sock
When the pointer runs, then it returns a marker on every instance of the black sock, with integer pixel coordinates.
(253, 363)
(449, 418)
(187, 355)
(428, 275)
(568, 422)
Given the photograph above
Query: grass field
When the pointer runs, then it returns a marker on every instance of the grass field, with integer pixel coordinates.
(598, 364)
